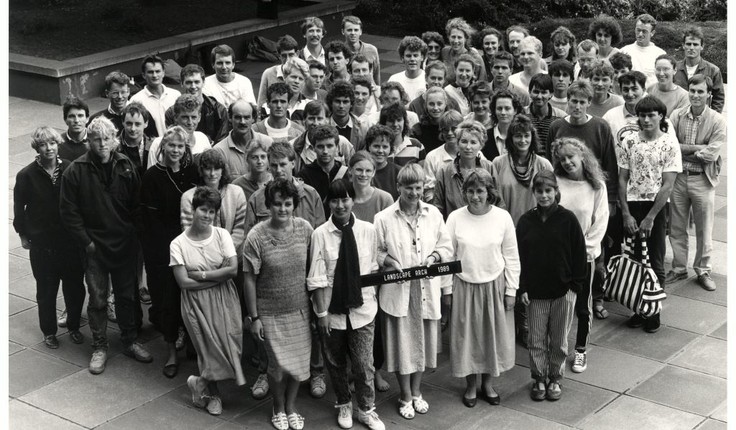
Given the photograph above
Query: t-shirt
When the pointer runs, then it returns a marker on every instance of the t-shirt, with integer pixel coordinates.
(205, 254)
(227, 92)
(675, 98)
(646, 161)
(377, 202)
(612, 101)
(413, 87)
(643, 59)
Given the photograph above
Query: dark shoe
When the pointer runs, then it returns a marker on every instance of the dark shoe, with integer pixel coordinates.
(76, 337)
(636, 321)
(170, 370)
(493, 400)
(135, 350)
(539, 391)
(554, 391)
(672, 277)
(651, 325)
(470, 403)
(51, 341)
(706, 282)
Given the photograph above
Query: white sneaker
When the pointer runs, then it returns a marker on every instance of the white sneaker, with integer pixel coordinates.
(371, 420)
(61, 321)
(345, 415)
(580, 362)
(260, 388)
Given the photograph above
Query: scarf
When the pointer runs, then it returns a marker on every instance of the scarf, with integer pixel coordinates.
(525, 178)
(346, 287)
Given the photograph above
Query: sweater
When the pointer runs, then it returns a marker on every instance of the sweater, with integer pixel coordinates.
(231, 215)
(590, 207)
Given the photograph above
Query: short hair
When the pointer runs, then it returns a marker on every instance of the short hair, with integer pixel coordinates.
(283, 187)
(360, 58)
(564, 34)
(296, 64)
(191, 69)
(653, 104)
(361, 155)
(608, 24)
(633, 77)
(587, 45)
(206, 196)
(532, 41)
(135, 108)
(480, 88)
(315, 107)
(542, 81)
(312, 21)
(412, 43)
(313, 64)
(504, 94)
(254, 109)
(74, 103)
(450, 119)
(667, 57)
(323, 132)
(286, 43)
(490, 31)
(521, 124)
(693, 31)
(391, 85)
(214, 159)
(462, 25)
(645, 18)
(379, 131)
(602, 68)
(698, 79)
(152, 59)
(592, 171)
(433, 36)
(352, 19)
(503, 56)
(44, 134)
(620, 61)
(436, 65)
(187, 103)
(340, 89)
(473, 127)
(467, 58)
(436, 90)
(116, 77)
(257, 144)
(481, 177)
(411, 174)
(517, 28)
(561, 66)
(337, 46)
(546, 178)
(172, 133)
(223, 51)
(339, 190)
(279, 150)
(279, 88)
(103, 127)
(395, 112)
(580, 87)
(363, 82)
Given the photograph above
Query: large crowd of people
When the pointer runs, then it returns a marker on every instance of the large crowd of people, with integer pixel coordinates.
(254, 219)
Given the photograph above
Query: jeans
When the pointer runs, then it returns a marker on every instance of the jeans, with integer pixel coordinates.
(50, 265)
(358, 344)
(656, 242)
(697, 193)
(549, 324)
(124, 286)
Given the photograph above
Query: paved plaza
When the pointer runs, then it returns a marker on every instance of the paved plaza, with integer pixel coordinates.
(674, 379)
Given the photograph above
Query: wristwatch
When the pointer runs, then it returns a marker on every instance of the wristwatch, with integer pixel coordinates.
(253, 319)
(204, 275)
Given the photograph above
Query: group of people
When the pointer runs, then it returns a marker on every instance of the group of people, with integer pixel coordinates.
(255, 218)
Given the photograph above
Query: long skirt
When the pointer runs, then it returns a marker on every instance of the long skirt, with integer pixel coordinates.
(288, 343)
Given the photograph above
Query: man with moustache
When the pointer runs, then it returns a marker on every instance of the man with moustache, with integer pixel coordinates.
(234, 146)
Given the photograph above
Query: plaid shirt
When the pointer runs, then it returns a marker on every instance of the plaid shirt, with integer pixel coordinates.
(692, 124)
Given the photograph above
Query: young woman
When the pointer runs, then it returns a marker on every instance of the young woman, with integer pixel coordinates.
(465, 72)
(552, 254)
(427, 130)
(258, 175)
(445, 154)
(606, 32)
(483, 295)
(368, 200)
(564, 44)
(459, 34)
(504, 107)
(672, 95)
(404, 149)
(491, 41)
(378, 141)
(435, 42)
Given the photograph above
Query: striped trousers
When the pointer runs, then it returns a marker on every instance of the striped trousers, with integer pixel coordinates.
(549, 323)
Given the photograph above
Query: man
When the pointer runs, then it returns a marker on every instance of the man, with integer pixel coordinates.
(338, 58)
(213, 115)
(278, 126)
(75, 142)
(412, 51)
(392, 92)
(225, 85)
(561, 72)
(540, 110)
(99, 200)
(316, 113)
(352, 29)
(155, 96)
(313, 30)
(644, 52)
(694, 64)
(325, 168)
(234, 146)
(340, 99)
(587, 54)
(313, 85)
(701, 132)
(361, 68)
(435, 77)
(117, 91)
(366, 101)
(514, 35)
(621, 64)
(501, 68)
(186, 115)
(134, 143)
(601, 78)
(286, 47)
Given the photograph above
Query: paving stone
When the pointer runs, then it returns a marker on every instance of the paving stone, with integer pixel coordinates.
(13, 238)
(509, 419)
(721, 189)
(18, 267)
(235, 400)
(14, 348)
(705, 355)
(390, 70)
(692, 315)
(614, 370)
(630, 413)
(32, 370)
(721, 332)
(721, 413)
(25, 416)
(24, 117)
(23, 328)
(712, 425)
(684, 390)
(18, 304)
(318, 413)
(161, 413)
(660, 346)
(691, 289)
(81, 354)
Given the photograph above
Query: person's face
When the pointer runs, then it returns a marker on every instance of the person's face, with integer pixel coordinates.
(153, 73)
(314, 35)
(76, 120)
(412, 60)
(618, 72)
(361, 95)
(649, 121)
(586, 58)
(477, 197)
(258, 161)
(118, 95)
(632, 93)
(277, 105)
(352, 32)
(313, 120)
(501, 71)
(173, 151)
(481, 105)
(224, 66)
(698, 94)
(601, 84)
(188, 119)
(469, 146)
(134, 126)
(464, 74)
(337, 61)
(48, 149)
(515, 38)
(435, 78)
(693, 47)
(295, 79)
(212, 176)
(577, 107)
(490, 45)
(664, 71)
(603, 38)
(287, 55)
(281, 168)
(433, 51)
(505, 110)
(380, 150)
(562, 48)
(528, 57)
(360, 70)
(101, 146)
(396, 126)
(391, 96)
(448, 135)
(544, 195)
(316, 77)
(193, 84)
(362, 173)
(203, 216)
(341, 209)
(241, 119)
(436, 105)
(457, 40)
(326, 151)
(571, 161)
(644, 33)
(561, 81)
(282, 209)
(411, 194)
(522, 141)
(540, 97)
(341, 107)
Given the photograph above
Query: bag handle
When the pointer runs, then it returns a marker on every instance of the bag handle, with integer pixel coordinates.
(629, 247)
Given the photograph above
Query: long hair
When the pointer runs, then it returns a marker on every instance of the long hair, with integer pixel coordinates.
(592, 171)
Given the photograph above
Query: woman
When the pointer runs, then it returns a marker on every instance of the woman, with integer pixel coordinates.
(465, 71)
(275, 264)
(404, 149)
(482, 328)
(448, 194)
(368, 200)
(491, 41)
(459, 33)
(552, 254)
(564, 44)
(672, 95)
(161, 189)
(606, 32)
(504, 107)
(427, 130)
(481, 94)
(435, 42)
(258, 175)
(412, 233)
(530, 57)
(378, 141)
(445, 154)
(296, 73)
(204, 262)
(583, 189)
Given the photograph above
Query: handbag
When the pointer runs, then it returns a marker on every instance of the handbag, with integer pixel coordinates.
(632, 282)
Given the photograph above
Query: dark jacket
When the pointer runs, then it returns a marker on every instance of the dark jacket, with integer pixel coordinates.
(213, 119)
(708, 69)
(117, 120)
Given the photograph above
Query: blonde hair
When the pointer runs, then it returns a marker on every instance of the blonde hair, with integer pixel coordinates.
(44, 134)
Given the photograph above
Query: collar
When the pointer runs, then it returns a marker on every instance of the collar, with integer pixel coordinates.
(37, 159)
(112, 112)
(423, 208)
(308, 55)
(349, 124)
(83, 140)
(456, 163)
(331, 227)
(689, 113)
(497, 134)
(231, 143)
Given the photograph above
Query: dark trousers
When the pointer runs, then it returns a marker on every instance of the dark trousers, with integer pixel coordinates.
(657, 241)
(584, 309)
(124, 280)
(51, 265)
(379, 358)
(165, 310)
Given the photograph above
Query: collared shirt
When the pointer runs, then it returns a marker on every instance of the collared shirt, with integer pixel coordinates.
(156, 105)
(72, 149)
(237, 157)
(325, 250)
(343, 130)
(499, 140)
(307, 154)
(309, 57)
(54, 176)
(310, 206)
(710, 138)
(690, 125)
(448, 194)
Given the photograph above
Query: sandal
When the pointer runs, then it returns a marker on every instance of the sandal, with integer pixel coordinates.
(600, 312)
(420, 405)
(406, 409)
(280, 422)
(296, 421)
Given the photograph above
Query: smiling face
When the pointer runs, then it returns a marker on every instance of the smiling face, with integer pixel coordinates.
(481, 106)
(380, 150)
(449, 135)
(644, 33)
(341, 208)
(203, 217)
(515, 38)
(490, 45)
(469, 146)
(188, 119)
(664, 71)
(281, 209)
(433, 51)
(173, 151)
(361, 95)
(436, 105)
(76, 120)
(258, 161)
(528, 57)
(632, 92)
(435, 78)
(134, 125)
(118, 96)
(464, 74)
(698, 94)
(411, 194)
(224, 66)
(522, 142)
(540, 97)
(362, 173)
(47, 149)
(412, 60)
(457, 40)
(193, 84)
(314, 35)
(544, 195)
(313, 120)
(571, 161)
(477, 197)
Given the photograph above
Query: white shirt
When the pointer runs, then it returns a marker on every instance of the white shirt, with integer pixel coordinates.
(227, 92)
(201, 144)
(643, 59)
(413, 87)
(309, 57)
(157, 106)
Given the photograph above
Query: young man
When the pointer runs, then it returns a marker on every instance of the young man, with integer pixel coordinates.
(587, 54)
(644, 52)
(352, 29)
(75, 142)
(286, 47)
(340, 99)
(514, 35)
(212, 115)
(412, 51)
(313, 30)
(435, 77)
(338, 58)
(392, 92)
(277, 125)
(561, 72)
(225, 85)
(134, 143)
(501, 68)
(325, 168)
(316, 113)
(155, 96)
(186, 114)
(364, 97)
(313, 86)
(701, 132)
(117, 92)
(601, 78)
(621, 64)
(99, 200)
(694, 64)
(346, 310)
(234, 146)
(540, 110)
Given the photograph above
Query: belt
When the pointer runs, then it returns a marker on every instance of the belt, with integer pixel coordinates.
(691, 173)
